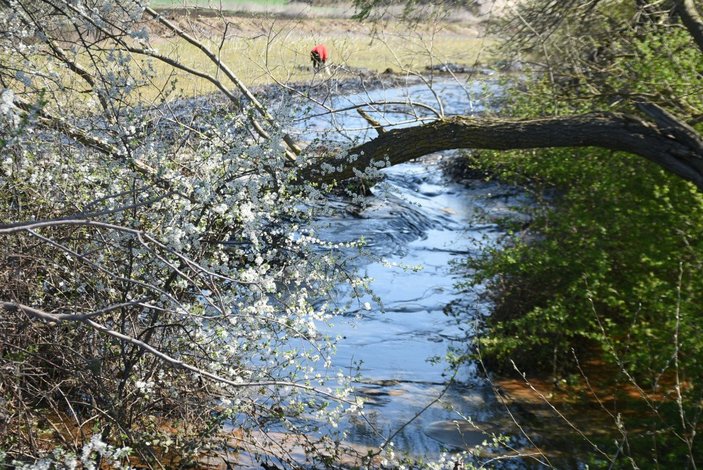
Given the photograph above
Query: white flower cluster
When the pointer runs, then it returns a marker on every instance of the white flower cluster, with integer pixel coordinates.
(193, 240)
(94, 451)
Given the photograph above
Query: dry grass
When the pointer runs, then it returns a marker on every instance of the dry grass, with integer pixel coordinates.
(265, 50)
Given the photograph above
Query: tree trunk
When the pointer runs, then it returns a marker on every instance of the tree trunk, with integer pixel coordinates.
(664, 140)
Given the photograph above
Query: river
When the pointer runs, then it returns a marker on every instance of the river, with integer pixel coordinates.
(417, 224)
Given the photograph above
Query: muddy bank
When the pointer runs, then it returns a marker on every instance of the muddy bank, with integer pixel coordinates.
(582, 417)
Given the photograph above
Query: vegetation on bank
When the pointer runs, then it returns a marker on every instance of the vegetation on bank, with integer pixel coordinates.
(609, 270)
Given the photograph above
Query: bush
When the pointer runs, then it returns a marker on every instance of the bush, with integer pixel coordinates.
(609, 270)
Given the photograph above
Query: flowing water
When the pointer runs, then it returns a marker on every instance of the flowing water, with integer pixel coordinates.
(416, 225)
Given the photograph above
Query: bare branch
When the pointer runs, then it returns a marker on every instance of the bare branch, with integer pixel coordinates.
(12, 308)
(691, 19)
(260, 108)
(58, 317)
(374, 123)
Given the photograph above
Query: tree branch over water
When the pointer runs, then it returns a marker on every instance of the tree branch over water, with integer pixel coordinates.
(665, 140)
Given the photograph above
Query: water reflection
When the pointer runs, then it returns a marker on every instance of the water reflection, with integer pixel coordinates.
(416, 224)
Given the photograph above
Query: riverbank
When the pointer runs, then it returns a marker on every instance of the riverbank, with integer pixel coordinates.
(273, 47)
(604, 381)
(577, 420)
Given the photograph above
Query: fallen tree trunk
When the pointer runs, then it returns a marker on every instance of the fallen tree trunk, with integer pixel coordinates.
(664, 140)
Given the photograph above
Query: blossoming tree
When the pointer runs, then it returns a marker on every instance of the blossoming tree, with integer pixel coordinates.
(159, 275)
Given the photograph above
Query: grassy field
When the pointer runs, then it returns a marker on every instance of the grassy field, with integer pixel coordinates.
(257, 62)
(266, 50)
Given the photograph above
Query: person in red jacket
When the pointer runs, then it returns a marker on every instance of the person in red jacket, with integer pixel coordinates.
(318, 56)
